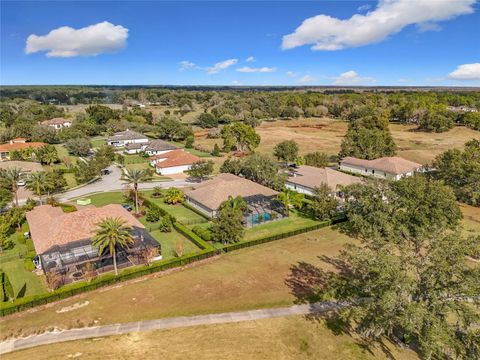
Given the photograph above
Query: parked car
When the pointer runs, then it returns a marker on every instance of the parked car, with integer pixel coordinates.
(21, 182)
(105, 172)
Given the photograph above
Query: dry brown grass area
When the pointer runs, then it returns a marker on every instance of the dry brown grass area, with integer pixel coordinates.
(326, 135)
(281, 338)
(471, 219)
(246, 279)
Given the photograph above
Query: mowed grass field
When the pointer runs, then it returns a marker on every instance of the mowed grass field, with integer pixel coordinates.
(280, 338)
(326, 135)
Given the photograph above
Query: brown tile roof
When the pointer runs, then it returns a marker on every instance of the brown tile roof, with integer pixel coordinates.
(56, 121)
(50, 226)
(312, 177)
(159, 145)
(20, 146)
(393, 165)
(212, 193)
(175, 158)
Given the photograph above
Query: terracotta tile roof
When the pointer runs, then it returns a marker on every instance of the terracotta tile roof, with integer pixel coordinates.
(312, 177)
(50, 226)
(56, 121)
(175, 158)
(20, 146)
(212, 193)
(393, 165)
(159, 145)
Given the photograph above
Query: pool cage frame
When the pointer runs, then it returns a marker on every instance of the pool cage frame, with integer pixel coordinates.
(262, 209)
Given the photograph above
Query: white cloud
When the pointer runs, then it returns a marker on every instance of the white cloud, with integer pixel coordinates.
(352, 78)
(222, 65)
(250, 59)
(364, 7)
(390, 17)
(186, 65)
(247, 69)
(466, 72)
(88, 41)
(307, 79)
(291, 73)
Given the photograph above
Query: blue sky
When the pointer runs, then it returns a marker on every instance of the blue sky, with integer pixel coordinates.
(400, 42)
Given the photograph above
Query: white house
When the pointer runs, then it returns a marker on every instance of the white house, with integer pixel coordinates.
(159, 147)
(173, 162)
(391, 168)
(135, 148)
(58, 123)
(304, 179)
(123, 138)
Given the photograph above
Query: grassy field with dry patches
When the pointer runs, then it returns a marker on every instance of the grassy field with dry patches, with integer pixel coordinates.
(280, 338)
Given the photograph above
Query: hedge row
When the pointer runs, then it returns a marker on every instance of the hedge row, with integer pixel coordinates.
(245, 244)
(197, 240)
(205, 234)
(101, 281)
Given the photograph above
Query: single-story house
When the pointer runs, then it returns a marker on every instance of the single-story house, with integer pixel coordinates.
(159, 147)
(63, 241)
(135, 148)
(58, 123)
(391, 168)
(173, 162)
(123, 138)
(17, 144)
(304, 179)
(209, 195)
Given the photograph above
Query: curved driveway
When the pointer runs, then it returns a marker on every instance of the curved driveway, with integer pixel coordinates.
(160, 324)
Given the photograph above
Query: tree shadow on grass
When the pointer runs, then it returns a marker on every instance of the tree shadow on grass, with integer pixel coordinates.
(306, 282)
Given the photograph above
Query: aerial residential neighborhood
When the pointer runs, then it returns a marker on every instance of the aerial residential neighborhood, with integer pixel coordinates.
(240, 180)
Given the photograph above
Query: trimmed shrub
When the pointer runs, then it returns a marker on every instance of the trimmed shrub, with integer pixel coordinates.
(67, 208)
(165, 224)
(153, 215)
(182, 229)
(28, 264)
(205, 234)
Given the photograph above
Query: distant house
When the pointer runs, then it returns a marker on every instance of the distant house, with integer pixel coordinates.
(158, 147)
(121, 139)
(58, 123)
(173, 162)
(462, 108)
(135, 148)
(305, 179)
(17, 144)
(63, 241)
(391, 168)
(209, 195)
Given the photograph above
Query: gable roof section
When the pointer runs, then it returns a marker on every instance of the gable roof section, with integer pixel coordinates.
(127, 135)
(175, 158)
(159, 145)
(50, 226)
(311, 177)
(393, 165)
(212, 193)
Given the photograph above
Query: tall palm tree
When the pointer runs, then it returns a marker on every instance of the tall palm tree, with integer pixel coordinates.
(112, 233)
(134, 177)
(38, 182)
(290, 198)
(11, 177)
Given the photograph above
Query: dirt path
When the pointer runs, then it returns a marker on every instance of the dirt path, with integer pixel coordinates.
(158, 324)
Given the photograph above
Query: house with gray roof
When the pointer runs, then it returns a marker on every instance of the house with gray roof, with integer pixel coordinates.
(123, 138)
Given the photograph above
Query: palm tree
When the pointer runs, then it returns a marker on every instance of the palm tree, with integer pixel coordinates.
(234, 203)
(11, 177)
(290, 198)
(38, 182)
(112, 233)
(134, 177)
(49, 155)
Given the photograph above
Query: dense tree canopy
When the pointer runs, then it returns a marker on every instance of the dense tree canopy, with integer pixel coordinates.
(461, 170)
(286, 151)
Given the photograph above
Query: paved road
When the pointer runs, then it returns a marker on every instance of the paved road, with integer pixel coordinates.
(166, 323)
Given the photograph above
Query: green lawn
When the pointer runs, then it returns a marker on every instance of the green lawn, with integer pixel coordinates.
(168, 241)
(191, 151)
(98, 141)
(102, 199)
(293, 222)
(181, 213)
